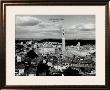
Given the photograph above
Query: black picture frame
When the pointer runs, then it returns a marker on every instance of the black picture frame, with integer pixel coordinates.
(5, 3)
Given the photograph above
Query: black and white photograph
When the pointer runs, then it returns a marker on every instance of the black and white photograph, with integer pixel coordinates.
(55, 45)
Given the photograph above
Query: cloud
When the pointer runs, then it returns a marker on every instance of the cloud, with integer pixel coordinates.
(44, 25)
(41, 27)
(81, 31)
(33, 24)
(51, 32)
(42, 30)
(33, 27)
(89, 26)
(83, 26)
(41, 35)
(81, 35)
(27, 21)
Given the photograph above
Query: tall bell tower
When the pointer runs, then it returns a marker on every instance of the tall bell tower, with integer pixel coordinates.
(63, 42)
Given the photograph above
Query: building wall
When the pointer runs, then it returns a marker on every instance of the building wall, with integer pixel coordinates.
(46, 50)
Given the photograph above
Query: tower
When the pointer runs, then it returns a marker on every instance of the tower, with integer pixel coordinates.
(63, 42)
(57, 22)
(78, 46)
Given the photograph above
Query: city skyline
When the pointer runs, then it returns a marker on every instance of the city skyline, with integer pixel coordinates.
(41, 27)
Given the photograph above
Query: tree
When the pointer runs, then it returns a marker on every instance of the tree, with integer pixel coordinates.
(71, 72)
(42, 68)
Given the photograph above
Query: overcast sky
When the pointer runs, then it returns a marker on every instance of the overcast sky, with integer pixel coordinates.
(43, 27)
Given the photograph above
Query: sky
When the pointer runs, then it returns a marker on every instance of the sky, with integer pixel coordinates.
(49, 26)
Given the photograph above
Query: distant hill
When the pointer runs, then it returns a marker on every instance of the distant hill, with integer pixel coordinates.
(82, 42)
(67, 42)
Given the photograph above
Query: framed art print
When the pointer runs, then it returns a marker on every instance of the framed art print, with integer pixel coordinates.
(54, 45)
